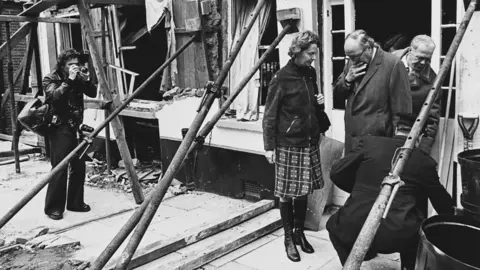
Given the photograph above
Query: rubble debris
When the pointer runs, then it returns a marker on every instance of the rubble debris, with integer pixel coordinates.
(42, 241)
(35, 232)
(2, 242)
(63, 242)
(136, 163)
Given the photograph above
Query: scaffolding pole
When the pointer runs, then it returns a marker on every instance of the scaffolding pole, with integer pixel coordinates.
(392, 182)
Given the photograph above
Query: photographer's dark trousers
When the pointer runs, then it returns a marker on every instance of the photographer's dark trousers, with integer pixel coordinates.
(62, 141)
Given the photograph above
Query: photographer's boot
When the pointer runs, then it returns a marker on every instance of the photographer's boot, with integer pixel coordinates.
(286, 212)
(298, 235)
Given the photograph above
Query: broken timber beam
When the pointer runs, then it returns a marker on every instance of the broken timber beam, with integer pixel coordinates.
(15, 80)
(117, 124)
(41, 6)
(20, 34)
(14, 18)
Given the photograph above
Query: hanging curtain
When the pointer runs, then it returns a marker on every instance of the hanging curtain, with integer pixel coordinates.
(156, 12)
(246, 104)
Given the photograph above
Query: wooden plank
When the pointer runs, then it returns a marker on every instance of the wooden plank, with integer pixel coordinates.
(20, 34)
(161, 248)
(107, 94)
(5, 137)
(41, 6)
(118, 2)
(35, 150)
(222, 243)
(14, 18)
(135, 36)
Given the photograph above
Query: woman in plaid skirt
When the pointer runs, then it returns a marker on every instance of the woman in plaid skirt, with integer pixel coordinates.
(291, 137)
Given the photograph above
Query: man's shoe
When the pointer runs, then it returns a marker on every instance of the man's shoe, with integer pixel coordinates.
(55, 215)
(84, 208)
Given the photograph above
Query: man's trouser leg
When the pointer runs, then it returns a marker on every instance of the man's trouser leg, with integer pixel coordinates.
(343, 249)
(409, 255)
(76, 182)
(62, 141)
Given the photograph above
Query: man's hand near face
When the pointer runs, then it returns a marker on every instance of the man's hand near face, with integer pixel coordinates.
(356, 70)
(72, 72)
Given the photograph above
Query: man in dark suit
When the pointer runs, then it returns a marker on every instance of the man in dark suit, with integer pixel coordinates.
(361, 173)
(376, 87)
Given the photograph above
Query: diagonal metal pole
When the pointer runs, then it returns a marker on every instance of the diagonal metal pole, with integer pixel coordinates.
(177, 160)
(13, 109)
(387, 193)
(34, 191)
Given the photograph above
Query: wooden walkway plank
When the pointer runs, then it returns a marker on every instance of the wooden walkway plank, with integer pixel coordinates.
(220, 244)
(161, 248)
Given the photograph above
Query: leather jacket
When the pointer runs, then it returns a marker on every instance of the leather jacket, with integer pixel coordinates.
(290, 109)
(66, 97)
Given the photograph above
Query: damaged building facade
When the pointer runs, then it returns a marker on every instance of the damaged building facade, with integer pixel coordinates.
(140, 37)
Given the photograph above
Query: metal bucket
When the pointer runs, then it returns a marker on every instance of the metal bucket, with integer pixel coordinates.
(470, 170)
(449, 242)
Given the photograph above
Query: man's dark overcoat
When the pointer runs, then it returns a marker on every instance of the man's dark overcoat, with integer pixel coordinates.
(374, 100)
(361, 173)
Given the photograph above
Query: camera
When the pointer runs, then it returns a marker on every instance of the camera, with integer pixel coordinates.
(83, 74)
(85, 128)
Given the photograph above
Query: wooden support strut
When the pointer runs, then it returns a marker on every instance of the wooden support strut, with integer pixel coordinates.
(387, 193)
(181, 153)
(117, 124)
(13, 110)
(75, 152)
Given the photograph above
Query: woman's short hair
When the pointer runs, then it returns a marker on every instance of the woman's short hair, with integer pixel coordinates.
(360, 35)
(68, 55)
(302, 41)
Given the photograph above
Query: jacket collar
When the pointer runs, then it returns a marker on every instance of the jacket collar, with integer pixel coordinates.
(427, 74)
(372, 67)
(295, 70)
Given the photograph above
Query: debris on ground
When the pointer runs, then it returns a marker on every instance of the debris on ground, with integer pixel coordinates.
(148, 174)
(44, 251)
(57, 258)
(31, 234)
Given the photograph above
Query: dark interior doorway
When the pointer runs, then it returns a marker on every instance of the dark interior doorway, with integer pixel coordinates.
(384, 19)
(150, 53)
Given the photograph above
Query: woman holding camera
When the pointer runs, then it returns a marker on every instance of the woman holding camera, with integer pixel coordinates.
(291, 137)
(64, 90)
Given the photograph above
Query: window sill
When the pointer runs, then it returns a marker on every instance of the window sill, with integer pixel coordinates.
(232, 123)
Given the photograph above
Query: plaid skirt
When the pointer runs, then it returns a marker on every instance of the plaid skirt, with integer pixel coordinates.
(298, 171)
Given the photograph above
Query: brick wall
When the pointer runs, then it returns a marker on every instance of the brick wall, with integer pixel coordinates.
(18, 52)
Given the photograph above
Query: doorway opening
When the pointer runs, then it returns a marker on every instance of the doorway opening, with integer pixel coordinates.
(394, 22)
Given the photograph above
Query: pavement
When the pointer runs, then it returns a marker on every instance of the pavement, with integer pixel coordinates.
(110, 211)
(268, 253)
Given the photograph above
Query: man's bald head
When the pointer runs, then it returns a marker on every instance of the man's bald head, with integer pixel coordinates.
(359, 46)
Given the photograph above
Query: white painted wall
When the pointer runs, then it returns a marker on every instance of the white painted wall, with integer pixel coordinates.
(308, 21)
(468, 95)
(228, 133)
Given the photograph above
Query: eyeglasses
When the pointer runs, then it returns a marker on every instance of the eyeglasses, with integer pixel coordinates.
(420, 58)
(355, 58)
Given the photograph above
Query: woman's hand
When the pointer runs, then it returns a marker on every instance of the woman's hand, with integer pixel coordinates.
(320, 98)
(270, 155)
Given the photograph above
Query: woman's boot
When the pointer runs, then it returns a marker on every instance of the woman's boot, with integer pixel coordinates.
(286, 212)
(298, 235)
